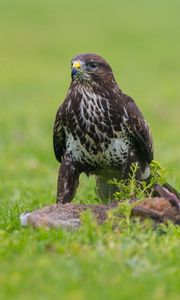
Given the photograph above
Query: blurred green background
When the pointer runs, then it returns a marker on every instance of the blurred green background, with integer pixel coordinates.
(141, 41)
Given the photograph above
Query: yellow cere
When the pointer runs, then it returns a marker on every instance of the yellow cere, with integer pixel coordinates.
(76, 65)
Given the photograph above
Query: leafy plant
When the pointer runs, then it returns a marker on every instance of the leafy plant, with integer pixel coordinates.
(132, 188)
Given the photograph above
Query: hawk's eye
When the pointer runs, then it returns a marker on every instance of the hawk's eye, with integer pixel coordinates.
(92, 65)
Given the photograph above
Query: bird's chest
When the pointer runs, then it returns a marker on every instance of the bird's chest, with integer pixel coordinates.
(92, 135)
(113, 153)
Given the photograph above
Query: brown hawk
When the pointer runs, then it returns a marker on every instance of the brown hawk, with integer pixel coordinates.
(98, 130)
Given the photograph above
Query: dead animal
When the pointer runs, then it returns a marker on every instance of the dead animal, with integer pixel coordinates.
(165, 206)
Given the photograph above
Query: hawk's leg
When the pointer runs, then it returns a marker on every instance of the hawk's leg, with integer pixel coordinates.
(68, 180)
(104, 190)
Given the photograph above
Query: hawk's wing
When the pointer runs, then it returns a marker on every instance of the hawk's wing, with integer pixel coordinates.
(139, 129)
(59, 139)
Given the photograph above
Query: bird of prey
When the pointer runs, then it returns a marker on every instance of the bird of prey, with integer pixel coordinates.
(98, 130)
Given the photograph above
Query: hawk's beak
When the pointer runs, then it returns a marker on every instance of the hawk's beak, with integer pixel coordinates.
(76, 67)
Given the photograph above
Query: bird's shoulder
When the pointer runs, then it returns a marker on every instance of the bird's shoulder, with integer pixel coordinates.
(59, 139)
(136, 125)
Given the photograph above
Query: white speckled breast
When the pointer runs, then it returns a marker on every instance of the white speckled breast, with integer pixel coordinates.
(115, 153)
(95, 141)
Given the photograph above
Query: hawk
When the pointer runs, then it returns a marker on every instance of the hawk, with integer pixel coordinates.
(98, 130)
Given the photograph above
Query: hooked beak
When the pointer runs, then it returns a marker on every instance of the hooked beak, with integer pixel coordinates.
(76, 68)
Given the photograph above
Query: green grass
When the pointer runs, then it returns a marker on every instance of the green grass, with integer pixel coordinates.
(140, 39)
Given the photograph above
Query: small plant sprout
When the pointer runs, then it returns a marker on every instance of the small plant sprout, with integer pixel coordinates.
(132, 188)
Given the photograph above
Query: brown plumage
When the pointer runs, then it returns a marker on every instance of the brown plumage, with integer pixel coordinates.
(98, 130)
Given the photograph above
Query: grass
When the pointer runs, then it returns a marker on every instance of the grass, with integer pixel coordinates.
(140, 39)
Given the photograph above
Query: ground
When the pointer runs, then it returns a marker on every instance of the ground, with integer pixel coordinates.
(140, 40)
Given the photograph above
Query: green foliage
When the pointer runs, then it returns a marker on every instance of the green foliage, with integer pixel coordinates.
(132, 188)
(158, 173)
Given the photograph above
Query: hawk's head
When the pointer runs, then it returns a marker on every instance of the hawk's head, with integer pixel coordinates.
(91, 68)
